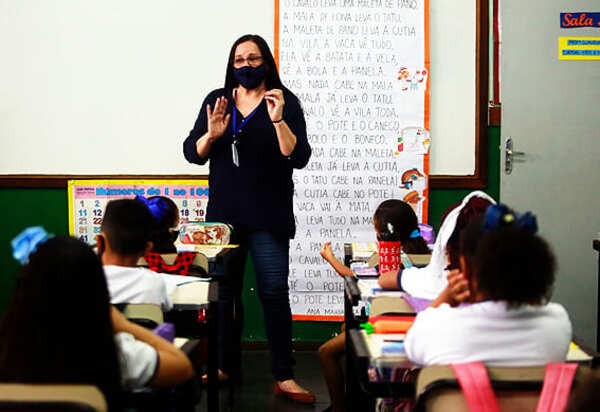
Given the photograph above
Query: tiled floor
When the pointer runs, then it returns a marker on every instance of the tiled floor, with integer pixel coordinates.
(255, 393)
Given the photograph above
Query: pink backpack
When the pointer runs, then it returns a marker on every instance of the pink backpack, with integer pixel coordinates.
(478, 392)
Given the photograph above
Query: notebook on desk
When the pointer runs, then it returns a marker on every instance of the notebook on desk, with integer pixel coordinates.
(369, 289)
(210, 251)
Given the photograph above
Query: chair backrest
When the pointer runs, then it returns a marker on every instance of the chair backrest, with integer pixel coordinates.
(517, 389)
(146, 314)
(389, 304)
(51, 397)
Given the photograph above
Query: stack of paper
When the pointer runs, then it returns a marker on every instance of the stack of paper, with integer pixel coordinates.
(363, 250)
(575, 354)
(192, 293)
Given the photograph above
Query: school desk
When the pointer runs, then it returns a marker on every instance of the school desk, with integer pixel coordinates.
(359, 389)
(378, 372)
(202, 295)
(359, 293)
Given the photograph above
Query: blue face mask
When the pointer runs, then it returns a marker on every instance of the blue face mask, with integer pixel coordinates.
(250, 77)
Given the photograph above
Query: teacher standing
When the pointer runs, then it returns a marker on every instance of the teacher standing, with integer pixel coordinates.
(254, 133)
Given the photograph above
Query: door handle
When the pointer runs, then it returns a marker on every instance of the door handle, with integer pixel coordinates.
(508, 155)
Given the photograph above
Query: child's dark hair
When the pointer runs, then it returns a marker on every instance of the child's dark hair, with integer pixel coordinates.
(162, 237)
(396, 221)
(509, 262)
(127, 225)
(476, 206)
(57, 328)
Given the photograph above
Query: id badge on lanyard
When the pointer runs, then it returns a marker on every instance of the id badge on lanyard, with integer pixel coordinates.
(236, 133)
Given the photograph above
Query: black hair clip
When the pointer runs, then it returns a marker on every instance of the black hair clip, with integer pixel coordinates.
(500, 215)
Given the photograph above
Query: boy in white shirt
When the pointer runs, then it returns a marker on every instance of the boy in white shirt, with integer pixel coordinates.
(125, 237)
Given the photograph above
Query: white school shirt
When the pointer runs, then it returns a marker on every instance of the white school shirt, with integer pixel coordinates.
(141, 285)
(491, 333)
(428, 282)
(138, 361)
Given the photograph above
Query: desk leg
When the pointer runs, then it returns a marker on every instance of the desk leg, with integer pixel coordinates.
(212, 362)
(351, 397)
(598, 308)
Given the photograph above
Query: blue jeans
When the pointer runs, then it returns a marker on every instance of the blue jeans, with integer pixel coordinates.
(270, 256)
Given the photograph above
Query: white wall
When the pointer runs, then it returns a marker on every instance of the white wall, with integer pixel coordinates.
(114, 86)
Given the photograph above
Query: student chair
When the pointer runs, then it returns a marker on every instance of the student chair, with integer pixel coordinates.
(147, 315)
(516, 389)
(51, 398)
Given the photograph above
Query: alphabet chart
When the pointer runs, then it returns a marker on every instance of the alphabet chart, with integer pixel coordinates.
(88, 199)
(361, 70)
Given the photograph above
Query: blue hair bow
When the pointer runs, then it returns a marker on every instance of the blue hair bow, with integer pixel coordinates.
(158, 206)
(27, 242)
(500, 215)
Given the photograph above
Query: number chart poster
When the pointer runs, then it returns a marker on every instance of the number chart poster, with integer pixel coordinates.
(361, 70)
(88, 199)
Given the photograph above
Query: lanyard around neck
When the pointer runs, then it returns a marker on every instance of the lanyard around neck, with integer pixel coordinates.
(237, 130)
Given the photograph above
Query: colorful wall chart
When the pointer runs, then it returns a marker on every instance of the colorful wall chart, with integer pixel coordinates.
(361, 70)
(88, 199)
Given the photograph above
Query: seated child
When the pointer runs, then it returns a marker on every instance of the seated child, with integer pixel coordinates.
(125, 237)
(506, 276)
(58, 328)
(429, 281)
(394, 220)
(165, 219)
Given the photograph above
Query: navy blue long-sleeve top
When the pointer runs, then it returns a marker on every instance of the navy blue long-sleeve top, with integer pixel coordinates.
(258, 193)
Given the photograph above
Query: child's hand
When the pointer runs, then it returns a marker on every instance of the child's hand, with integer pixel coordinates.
(326, 252)
(458, 288)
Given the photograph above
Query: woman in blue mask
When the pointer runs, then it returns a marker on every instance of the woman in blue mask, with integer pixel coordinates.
(254, 134)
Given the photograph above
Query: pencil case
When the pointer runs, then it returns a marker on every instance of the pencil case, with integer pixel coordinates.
(387, 326)
(205, 233)
(166, 331)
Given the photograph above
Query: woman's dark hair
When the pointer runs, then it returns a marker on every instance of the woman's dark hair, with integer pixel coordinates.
(402, 222)
(508, 263)
(162, 237)
(476, 206)
(57, 328)
(272, 80)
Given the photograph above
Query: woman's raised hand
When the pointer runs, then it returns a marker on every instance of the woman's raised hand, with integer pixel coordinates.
(275, 103)
(217, 119)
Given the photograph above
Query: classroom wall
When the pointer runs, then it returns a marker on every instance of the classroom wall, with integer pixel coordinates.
(20, 208)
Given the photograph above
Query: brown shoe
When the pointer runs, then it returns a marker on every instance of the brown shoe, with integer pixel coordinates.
(302, 397)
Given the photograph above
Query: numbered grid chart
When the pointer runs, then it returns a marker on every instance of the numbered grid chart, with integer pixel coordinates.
(88, 199)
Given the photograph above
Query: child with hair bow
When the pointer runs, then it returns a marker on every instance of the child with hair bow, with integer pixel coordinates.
(496, 308)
